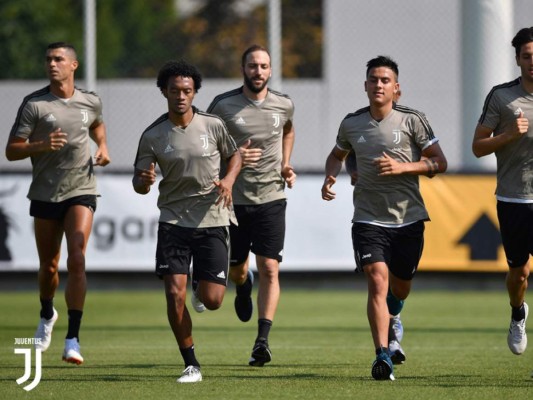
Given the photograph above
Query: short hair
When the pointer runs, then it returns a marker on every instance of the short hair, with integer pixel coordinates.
(382, 61)
(63, 45)
(251, 49)
(524, 36)
(178, 68)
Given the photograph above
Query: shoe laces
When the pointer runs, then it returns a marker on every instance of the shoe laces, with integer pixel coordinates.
(518, 328)
(44, 328)
(190, 370)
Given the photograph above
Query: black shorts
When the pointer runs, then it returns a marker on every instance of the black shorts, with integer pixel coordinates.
(261, 230)
(516, 228)
(400, 248)
(206, 247)
(48, 210)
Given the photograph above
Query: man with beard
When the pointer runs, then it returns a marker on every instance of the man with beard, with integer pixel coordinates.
(260, 121)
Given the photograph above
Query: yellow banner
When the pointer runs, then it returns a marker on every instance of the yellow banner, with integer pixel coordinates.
(463, 234)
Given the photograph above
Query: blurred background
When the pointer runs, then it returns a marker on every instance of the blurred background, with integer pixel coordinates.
(450, 53)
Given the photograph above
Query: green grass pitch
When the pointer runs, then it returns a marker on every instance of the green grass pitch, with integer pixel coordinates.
(455, 344)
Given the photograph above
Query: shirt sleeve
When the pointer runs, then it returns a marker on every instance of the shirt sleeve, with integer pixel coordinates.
(25, 122)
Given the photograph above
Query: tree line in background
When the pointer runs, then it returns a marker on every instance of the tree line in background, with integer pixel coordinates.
(135, 37)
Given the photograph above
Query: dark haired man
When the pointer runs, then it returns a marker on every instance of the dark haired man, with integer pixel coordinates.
(389, 142)
(504, 129)
(194, 201)
(53, 127)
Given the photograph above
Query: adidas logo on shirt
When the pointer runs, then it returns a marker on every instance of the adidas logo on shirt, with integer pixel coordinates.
(50, 118)
(168, 149)
(361, 139)
(221, 275)
(240, 121)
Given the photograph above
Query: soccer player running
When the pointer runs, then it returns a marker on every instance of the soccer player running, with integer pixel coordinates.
(504, 128)
(260, 121)
(194, 201)
(389, 213)
(53, 127)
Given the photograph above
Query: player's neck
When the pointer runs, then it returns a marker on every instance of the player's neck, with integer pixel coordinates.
(63, 89)
(253, 95)
(380, 111)
(181, 120)
(527, 84)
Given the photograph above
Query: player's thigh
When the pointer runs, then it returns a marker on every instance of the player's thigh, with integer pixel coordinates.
(210, 251)
(371, 244)
(516, 228)
(48, 237)
(407, 244)
(268, 230)
(173, 250)
(240, 241)
(77, 224)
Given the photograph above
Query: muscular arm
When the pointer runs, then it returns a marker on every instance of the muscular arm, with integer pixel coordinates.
(98, 135)
(433, 162)
(287, 145)
(485, 143)
(18, 148)
(333, 167)
(143, 179)
(225, 185)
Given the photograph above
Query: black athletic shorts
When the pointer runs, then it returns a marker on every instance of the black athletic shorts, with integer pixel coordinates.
(206, 247)
(261, 230)
(48, 210)
(400, 248)
(516, 228)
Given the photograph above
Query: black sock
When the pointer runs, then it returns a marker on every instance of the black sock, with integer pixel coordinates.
(245, 288)
(263, 329)
(188, 357)
(518, 313)
(47, 308)
(74, 322)
(380, 350)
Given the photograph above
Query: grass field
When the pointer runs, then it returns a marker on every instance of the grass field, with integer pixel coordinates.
(455, 344)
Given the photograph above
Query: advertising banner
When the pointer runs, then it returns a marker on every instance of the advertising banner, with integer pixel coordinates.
(463, 233)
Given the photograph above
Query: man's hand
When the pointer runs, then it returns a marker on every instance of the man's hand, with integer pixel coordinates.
(56, 140)
(520, 125)
(327, 193)
(249, 157)
(101, 157)
(387, 165)
(289, 175)
(224, 193)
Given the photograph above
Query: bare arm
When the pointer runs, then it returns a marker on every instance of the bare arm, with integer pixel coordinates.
(225, 185)
(485, 143)
(287, 170)
(98, 135)
(18, 148)
(143, 179)
(433, 162)
(333, 167)
(351, 167)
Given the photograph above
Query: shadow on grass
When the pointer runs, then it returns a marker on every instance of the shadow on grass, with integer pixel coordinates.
(293, 328)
